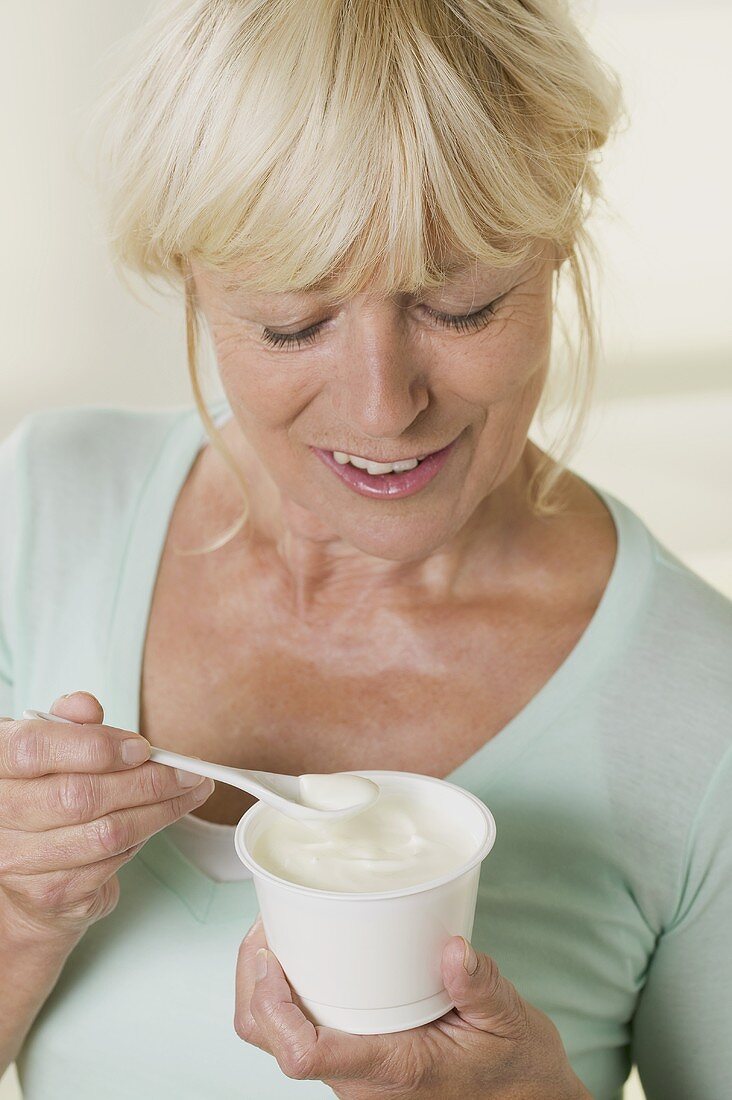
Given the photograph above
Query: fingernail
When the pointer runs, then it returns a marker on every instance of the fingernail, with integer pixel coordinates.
(186, 779)
(470, 959)
(260, 964)
(135, 750)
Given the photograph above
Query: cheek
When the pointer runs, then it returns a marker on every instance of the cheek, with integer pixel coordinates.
(505, 428)
(509, 419)
(262, 392)
(501, 439)
(507, 367)
(506, 381)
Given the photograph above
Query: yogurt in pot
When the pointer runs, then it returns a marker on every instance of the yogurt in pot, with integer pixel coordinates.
(358, 911)
(400, 840)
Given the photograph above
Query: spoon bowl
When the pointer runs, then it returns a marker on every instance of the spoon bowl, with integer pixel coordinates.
(283, 792)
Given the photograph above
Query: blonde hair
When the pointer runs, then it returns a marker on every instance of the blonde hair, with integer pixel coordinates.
(357, 140)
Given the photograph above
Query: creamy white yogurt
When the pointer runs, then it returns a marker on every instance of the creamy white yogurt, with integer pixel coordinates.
(337, 791)
(401, 840)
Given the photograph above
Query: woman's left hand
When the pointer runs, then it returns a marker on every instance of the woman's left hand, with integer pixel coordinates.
(492, 1044)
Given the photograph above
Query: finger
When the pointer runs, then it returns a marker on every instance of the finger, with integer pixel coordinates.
(304, 1051)
(79, 845)
(33, 747)
(483, 997)
(56, 890)
(72, 798)
(245, 1025)
(79, 706)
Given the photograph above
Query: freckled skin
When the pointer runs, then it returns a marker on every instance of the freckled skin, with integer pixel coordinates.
(338, 632)
(383, 378)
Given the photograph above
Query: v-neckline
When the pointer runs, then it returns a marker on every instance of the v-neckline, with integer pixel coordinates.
(618, 606)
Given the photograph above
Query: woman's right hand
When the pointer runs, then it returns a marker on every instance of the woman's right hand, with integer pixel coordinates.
(72, 812)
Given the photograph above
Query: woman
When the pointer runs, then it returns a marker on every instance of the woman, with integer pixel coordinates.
(369, 206)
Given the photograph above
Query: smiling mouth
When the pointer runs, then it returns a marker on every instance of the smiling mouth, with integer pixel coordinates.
(386, 481)
(376, 467)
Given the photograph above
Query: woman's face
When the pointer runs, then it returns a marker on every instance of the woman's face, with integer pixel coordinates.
(386, 380)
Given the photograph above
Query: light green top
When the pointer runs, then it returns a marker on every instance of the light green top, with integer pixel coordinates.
(607, 899)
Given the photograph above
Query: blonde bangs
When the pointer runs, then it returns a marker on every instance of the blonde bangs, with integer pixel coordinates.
(354, 142)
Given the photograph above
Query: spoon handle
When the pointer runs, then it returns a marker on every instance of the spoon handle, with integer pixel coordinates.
(223, 774)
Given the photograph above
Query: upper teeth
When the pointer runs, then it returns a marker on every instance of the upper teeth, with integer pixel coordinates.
(375, 467)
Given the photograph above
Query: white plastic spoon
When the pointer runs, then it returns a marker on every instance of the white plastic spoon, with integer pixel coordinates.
(287, 793)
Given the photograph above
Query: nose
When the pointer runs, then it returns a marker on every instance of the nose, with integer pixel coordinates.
(381, 386)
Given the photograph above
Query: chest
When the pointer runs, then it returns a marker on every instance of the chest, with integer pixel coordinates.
(229, 678)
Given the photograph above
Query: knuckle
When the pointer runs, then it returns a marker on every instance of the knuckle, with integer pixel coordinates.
(518, 1018)
(10, 857)
(493, 976)
(54, 893)
(26, 750)
(113, 832)
(245, 1027)
(176, 807)
(98, 751)
(96, 905)
(83, 909)
(107, 898)
(76, 794)
(156, 782)
(8, 732)
(297, 1063)
(130, 853)
(260, 1007)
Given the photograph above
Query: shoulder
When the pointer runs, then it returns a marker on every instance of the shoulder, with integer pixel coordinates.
(91, 440)
(79, 464)
(688, 623)
(688, 626)
(70, 483)
(663, 713)
(71, 477)
(680, 638)
(677, 661)
(705, 608)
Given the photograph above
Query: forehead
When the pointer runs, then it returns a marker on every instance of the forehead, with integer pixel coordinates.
(456, 270)
(451, 270)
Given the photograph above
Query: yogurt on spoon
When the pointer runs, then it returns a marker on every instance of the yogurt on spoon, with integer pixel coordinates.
(337, 791)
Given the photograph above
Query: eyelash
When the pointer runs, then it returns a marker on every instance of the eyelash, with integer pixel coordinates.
(469, 322)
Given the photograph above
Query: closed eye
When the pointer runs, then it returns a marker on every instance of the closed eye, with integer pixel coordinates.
(466, 322)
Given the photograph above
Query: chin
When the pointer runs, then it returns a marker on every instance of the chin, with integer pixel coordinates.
(396, 538)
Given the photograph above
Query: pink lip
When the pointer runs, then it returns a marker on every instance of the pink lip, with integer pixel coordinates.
(388, 486)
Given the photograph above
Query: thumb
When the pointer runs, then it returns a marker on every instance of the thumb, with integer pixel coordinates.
(482, 996)
(79, 706)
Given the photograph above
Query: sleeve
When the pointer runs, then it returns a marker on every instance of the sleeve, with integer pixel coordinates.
(9, 538)
(682, 1024)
